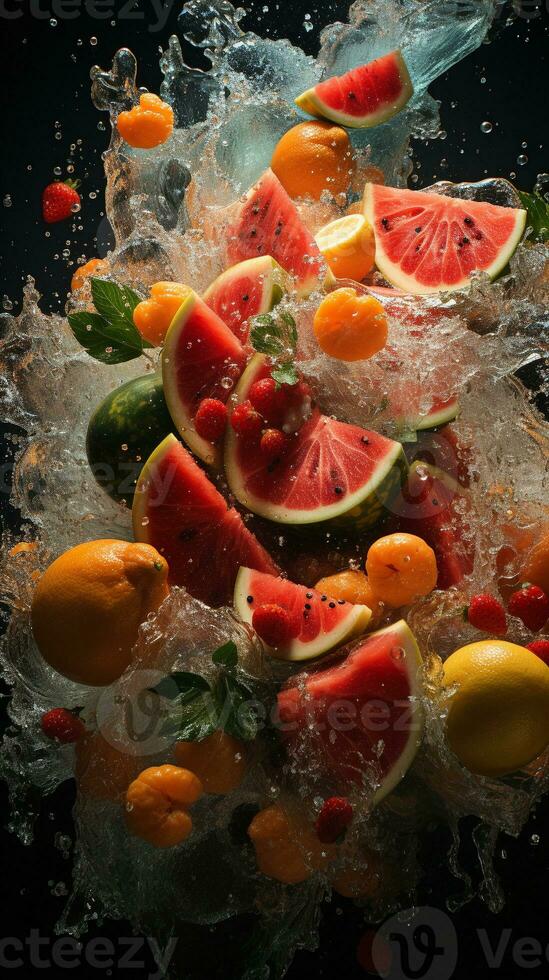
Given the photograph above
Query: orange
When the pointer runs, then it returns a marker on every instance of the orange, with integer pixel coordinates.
(22, 548)
(287, 850)
(153, 316)
(313, 157)
(352, 587)
(350, 327)
(157, 803)
(89, 604)
(95, 267)
(348, 245)
(401, 568)
(219, 761)
(102, 771)
(148, 124)
(536, 566)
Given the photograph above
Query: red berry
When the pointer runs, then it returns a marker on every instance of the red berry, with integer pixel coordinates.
(487, 614)
(246, 422)
(274, 444)
(541, 649)
(62, 725)
(531, 605)
(58, 201)
(273, 625)
(268, 400)
(210, 420)
(333, 819)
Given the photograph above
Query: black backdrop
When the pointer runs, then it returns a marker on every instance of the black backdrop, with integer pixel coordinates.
(47, 122)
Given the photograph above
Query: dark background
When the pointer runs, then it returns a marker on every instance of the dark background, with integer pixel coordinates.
(47, 122)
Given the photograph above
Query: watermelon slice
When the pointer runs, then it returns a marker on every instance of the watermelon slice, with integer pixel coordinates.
(202, 358)
(363, 97)
(429, 242)
(332, 471)
(360, 721)
(320, 623)
(268, 224)
(180, 512)
(245, 290)
(433, 505)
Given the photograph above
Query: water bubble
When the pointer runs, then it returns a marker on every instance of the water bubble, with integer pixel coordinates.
(59, 136)
(57, 171)
(522, 159)
(93, 41)
(486, 126)
(92, 195)
(524, 144)
(227, 383)
(75, 208)
(7, 304)
(53, 22)
(483, 80)
(101, 126)
(8, 201)
(534, 840)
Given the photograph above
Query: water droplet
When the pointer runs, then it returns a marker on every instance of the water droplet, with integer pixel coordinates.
(75, 208)
(534, 840)
(7, 304)
(53, 22)
(92, 195)
(144, 521)
(522, 160)
(486, 127)
(398, 653)
(8, 201)
(93, 41)
(227, 383)
(57, 171)
(101, 126)
(59, 136)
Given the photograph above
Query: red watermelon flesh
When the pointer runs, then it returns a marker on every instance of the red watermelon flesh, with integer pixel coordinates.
(267, 223)
(359, 718)
(245, 290)
(201, 359)
(434, 506)
(429, 242)
(319, 622)
(180, 512)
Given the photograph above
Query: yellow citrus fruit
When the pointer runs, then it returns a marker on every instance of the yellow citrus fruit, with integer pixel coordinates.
(348, 245)
(95, 267)
(153, 316)
(287, 850)
(102, 771)
(400, 568)
(89, 604)
(219, 761)
(157, 803)
(498, 719)
(352, 587)
(350, 327)
(313, 157)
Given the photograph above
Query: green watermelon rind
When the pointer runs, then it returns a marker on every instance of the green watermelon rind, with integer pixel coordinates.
(210, 454)
(433, 420)
(392, 272)
(275, 284)
(363, 509)
(311, 103)
(297, 651)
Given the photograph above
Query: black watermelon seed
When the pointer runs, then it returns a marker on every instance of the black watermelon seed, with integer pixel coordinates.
(309, 595)
(385, 223)
(323, 598)
(307, 605)
(341, 602)
(365, 440)
(434, 502)
(250, 599)
(468, 221)
(245, 298)
(305, 614)
(338, 490)
(332, 605)
(417, 230)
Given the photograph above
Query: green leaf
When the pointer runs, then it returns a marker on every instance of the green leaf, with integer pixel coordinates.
(285, 374)
(112, 301)
(236, 708)
(182, 686)
(275, 334)
(108, 342)
(193, 721)
(226, 655)
(538, 215)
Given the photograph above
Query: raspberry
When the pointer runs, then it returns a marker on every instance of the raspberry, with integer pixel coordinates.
(246, 422)
(531, 605)
(62, 725)
(541, 649)
(274, 444)
(487, 614)
(268, 400)
(273, 625)
(210, 420)
(333, 819)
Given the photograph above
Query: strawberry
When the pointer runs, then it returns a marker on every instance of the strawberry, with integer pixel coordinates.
(273, 624)
(541, 649)
(487, 614)
(246, 422)
(531, 605)
(59, 200)
(274, 444)
(210, 420)
(268, 400)
(62, 725)
(333, 819)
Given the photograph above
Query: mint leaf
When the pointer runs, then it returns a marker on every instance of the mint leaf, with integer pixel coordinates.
(112, 301)
(111, 343)
(194, 720)
(285, 374)
(226, 655)
(275, 335)
(538, 215)
(236, 706)
(182, 686)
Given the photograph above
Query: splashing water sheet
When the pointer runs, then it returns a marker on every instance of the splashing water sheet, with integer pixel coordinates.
(171, 210)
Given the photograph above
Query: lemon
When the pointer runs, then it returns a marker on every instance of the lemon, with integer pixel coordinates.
(348, 245)
(498, 719)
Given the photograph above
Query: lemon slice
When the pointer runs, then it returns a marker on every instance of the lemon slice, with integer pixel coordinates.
(348, 245)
